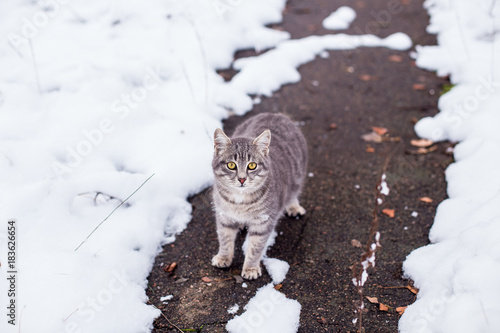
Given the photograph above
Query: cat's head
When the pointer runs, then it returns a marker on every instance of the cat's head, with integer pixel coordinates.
(241, 163)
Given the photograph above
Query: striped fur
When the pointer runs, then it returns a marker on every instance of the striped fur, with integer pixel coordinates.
(256, 198)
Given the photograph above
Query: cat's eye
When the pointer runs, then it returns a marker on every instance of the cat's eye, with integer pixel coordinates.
(252, 165)
(231, 165)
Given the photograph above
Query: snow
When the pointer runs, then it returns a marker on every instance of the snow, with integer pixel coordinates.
(269, 311)
(276, 268)
(233, 309)
(340, 19)
(384, 189)
(167, 298)
(104, 102)
(457, 273)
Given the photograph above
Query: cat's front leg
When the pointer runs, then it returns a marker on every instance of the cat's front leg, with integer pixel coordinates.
(256, 245)
(226, 232)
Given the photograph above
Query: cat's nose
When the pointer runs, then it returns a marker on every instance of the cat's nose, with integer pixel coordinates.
(242, 180)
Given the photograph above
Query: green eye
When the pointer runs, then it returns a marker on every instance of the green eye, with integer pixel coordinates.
(231, 165)
(252, 165)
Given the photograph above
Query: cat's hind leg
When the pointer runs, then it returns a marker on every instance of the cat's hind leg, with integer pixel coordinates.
(294, 209)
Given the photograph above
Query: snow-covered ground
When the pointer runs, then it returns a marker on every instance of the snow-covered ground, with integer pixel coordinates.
(103, 102)
(458, 273)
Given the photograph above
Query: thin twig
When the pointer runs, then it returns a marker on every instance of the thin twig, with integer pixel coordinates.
(113, 212)
(35, 66)
(462, 33)
(163, 315)
(493, 33)
(203, 55)
(365, 262)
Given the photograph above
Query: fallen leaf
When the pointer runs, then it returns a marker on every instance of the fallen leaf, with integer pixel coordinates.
(419, 86)
(360, 4)
(206, 279)
(278, 286)
(373, 300)
(380, 130)
(401, 309)
(181, 280)
(422, 143)
(412, 289)
(333, 126)
(366, 77)
(423, 151)
(395, 58)
(356, 243)
(388, 212)
(312, 27)
(426, 199)
(370, 149)
(372, 137)
(383, 307)
(170, 267)
(238, 278)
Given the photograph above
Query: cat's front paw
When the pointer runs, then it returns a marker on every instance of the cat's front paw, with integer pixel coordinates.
(251, 273)
(295, 210)
(221, 262)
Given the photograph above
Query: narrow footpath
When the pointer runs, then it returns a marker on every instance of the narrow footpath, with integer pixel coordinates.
(339, 99)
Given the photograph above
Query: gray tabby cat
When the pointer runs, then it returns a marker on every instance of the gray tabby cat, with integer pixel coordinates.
(256, 180)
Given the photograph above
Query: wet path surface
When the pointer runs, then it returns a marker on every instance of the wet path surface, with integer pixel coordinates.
(339, 98)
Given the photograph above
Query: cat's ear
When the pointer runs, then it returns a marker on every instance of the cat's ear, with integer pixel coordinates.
(221, 141)
(263, 141)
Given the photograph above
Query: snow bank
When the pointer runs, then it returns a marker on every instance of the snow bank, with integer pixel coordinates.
(101, 101)
(458, 273)
(95, 98)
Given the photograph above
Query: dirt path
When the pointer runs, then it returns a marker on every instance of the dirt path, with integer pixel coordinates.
(355, 91)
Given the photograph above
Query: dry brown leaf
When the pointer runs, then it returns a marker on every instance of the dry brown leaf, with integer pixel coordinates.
(206, 279)
(370, 149)
(401, 309)
(423, 151)
(278, 286)
(395, 58)
(383, 307)
(427, 150)
(426, 199)
(333, 126)
(356, 243)
(380, 130)
(372, 137)
(419, 86)
(422, 143)
(170, 267)
(389, 212)
(373, 300)
(412, 289)
(367, 77)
